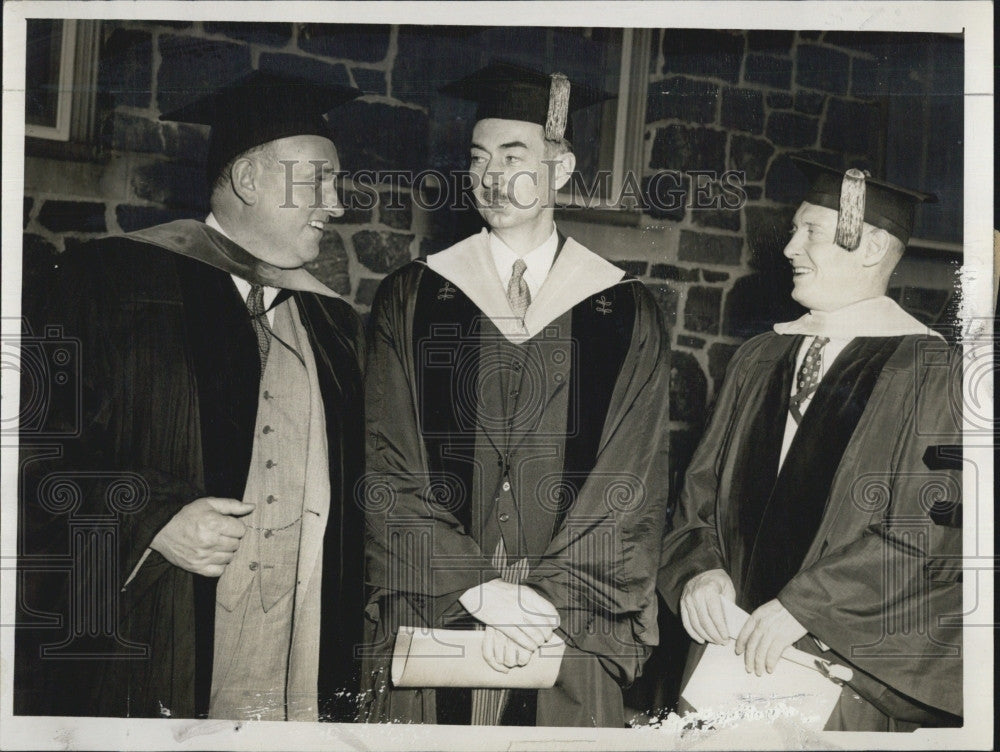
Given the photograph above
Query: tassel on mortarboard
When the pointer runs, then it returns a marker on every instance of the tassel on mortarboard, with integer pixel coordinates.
(555, 122)
(851, 218)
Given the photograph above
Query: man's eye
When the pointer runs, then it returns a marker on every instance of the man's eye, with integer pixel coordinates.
(512, 159)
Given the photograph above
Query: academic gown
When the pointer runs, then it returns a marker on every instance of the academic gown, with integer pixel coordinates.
(551, 437)
(160, 411)
(859, 534)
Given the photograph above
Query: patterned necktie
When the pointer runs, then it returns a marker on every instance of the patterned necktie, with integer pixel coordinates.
(517, 290)
(807, 379)
(258, 319)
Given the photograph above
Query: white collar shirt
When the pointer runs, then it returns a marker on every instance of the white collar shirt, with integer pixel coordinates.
(270, 293)
(538, 261)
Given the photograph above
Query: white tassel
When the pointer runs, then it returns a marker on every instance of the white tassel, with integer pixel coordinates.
(558, 115)
(851, 219)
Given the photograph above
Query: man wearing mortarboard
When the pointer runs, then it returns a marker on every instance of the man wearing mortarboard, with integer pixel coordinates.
(223, 382)
(517, 418)
(825, 495)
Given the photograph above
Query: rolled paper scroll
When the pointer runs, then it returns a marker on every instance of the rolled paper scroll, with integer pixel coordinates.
(454, 658)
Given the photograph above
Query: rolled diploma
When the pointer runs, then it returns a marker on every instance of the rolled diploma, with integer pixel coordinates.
(454, 658)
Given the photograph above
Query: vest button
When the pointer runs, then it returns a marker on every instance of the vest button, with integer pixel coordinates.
(506, 485)
(269, 464)
(267, 429)
(253, 566)
(271, 499)
(504, 517)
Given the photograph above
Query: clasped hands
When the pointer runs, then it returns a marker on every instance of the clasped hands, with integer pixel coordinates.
(518, 621)
(765, 636)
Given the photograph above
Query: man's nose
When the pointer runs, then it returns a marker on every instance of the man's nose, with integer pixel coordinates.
(793, 247)
(331, 200)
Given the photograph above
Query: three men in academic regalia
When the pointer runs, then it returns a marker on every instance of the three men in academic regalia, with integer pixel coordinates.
(517, 433)
(825, 496)
(209, 546)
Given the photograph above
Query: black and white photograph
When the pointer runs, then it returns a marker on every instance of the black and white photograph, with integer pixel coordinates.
(501, 375)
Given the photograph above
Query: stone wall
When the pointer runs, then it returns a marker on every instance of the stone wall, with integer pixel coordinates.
(716, 100)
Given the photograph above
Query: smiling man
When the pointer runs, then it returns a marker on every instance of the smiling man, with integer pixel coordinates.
(825, 496)
(222, 386)
(517, 420)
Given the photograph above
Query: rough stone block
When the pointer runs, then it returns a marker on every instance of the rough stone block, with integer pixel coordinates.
(703, 52)
(370, 81)
(679, 147)
(770, 41)
(719, 355)
(189, 65)
(709, 276)
(125, 68)
(686, 340)
(724, 219)
(768, 70)
(675, 273)
(635, 268)
(851, 127)
(822, 68)
(758, 301)
(332, 265)
(703, 309)
(743, 110)
(705, 248)
(378, 136)
(688, 388)
(365, 294)
(750, 155)
(754, 192)
(779, 100)
(768, 231)
(665, 195)
(361, 42)
(682, 98)
(305, 67)
(809, 102)
(792, 129)
(666, 297)
(395, 209)
(72, 216)
(380, 251)
(171, 183)
(132, 218)
(271, 34)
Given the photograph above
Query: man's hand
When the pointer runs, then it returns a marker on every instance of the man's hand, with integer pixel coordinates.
(515, 610)
(769, 630)
(203, 536)
(701, 609)
(501, 652)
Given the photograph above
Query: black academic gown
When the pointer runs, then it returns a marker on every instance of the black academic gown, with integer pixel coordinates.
(557, 444)
(858, 535)
(160, 411)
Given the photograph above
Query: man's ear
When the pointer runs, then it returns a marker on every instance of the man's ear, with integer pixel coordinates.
(243, 178)
(565, 163)
(876, 245)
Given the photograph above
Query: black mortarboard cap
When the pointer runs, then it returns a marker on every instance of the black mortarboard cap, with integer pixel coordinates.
(510, 92)
(887, 206)
(259, 107)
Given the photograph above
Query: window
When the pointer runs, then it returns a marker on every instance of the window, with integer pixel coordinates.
(60, 76)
